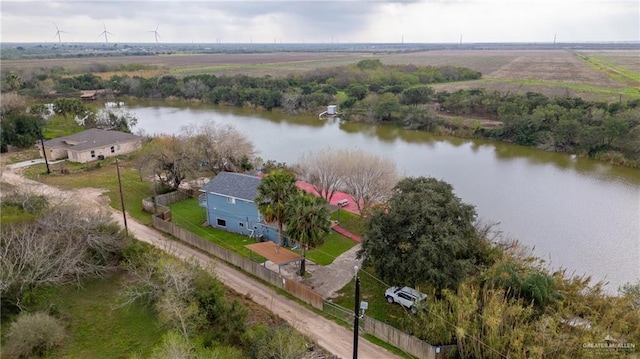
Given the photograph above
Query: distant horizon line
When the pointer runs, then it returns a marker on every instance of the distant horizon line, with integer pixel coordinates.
(329, 43)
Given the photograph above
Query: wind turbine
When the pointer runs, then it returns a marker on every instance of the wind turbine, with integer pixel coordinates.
(155, 32)
(105, 32)
(58, 31)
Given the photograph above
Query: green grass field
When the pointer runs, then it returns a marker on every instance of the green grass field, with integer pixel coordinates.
(96, 328)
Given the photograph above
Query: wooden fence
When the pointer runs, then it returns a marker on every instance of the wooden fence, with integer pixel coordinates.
(296, 289)
(158, 203)
(304, 293)
(401, 340)
(406, 342)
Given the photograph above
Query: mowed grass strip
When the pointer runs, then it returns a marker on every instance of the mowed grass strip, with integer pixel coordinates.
(97, 328)
(617, 73)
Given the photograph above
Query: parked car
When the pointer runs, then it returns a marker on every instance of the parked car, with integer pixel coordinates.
(405, 296)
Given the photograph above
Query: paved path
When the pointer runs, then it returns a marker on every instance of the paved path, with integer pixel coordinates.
(327, 280)
(329, 335)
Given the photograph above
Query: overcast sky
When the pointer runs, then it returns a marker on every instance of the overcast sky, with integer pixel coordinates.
(294, 21)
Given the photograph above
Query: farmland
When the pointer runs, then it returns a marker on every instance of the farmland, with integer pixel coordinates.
(598, 75)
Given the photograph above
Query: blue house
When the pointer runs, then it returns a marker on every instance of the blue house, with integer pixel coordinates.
(228, 198)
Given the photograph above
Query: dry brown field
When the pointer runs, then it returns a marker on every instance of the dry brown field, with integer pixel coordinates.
(593, 75)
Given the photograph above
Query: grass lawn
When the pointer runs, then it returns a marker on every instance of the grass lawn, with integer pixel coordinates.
(61, 126)
(349, 221)
(189, 215)
(372, 291)
(100, 174)
(333, 246)
(95, 328)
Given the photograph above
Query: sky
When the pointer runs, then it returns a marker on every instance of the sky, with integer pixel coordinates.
(346, 21)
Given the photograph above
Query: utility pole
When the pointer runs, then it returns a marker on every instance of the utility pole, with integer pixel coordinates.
(124, 214)
(44, 153)
(356, 315)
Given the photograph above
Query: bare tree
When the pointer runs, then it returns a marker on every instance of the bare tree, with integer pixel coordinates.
(194, 88)
(11, 101)
(169, 159)
(323, 171)
(62, 244)
(219, 147)
(367, 178)
(173, 159)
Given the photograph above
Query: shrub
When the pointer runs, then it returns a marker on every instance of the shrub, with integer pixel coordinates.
(33, 334)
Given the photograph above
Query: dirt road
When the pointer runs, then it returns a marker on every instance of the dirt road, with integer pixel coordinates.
(331, 336)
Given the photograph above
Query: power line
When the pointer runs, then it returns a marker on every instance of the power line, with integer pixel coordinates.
(454, 326)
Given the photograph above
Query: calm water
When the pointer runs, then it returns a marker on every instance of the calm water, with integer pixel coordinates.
(578, 214)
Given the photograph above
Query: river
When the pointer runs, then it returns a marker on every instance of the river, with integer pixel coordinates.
(577, 214)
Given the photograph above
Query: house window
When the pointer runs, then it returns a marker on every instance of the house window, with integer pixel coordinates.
(93, 154)
(113, 149)
(231, 200)
(221, 222)
(241, 225)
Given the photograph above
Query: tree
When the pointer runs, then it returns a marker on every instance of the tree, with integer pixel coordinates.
(20, 130)
(69, 106)
(423, 235)
(323, 170)
(194, 88)
(357, 91)
(307, 219)
(274, 192)
(415, 95)
(33, 335)
(170, 160)
(614, 128)
(122, 121)
(367, 178)
(14, 81)
(186, 298)
(387, 106)
(219, 147)
(64, 243)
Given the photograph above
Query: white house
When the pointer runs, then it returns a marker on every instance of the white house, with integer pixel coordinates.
(91, 145)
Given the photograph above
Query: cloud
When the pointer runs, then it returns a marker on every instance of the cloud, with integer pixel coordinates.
(322, 21)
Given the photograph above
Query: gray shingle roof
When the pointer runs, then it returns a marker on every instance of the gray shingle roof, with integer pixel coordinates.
(235, 185)
(91, 138)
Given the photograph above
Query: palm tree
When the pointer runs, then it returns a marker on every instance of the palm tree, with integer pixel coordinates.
(274, 192)
(307, 221)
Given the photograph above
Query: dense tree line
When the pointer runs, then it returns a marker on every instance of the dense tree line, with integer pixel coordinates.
(370, 91)
(561, 123)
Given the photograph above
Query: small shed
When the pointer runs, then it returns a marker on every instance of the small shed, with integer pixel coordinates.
(332, 110)
(275, 253)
